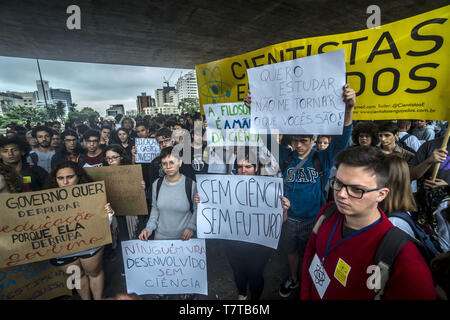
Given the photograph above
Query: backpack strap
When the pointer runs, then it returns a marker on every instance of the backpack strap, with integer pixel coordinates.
(406, 136)
(158, 186)
(34, 157)
(328, 212)
(319, 169)
(391, 244)
(188, 187)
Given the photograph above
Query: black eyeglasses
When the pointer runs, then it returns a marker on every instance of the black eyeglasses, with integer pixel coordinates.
(352, 191)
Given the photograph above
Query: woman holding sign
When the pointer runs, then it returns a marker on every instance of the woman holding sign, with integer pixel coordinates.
(248, 260)
(89, 261)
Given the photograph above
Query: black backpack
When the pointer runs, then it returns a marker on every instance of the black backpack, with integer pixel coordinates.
(188, 188)
(391, 244)
(402, 143)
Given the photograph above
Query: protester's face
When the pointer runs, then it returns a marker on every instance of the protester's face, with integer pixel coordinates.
(56, 127)
(302, 145)
(3, 186)
(43, 138)
(70, 143)
(66, 177)
(357, 178)
(105, 134)
(364, 139)
(171, 165)
(11, 154)
(113, 158)
(56, 141)
(92, 143)
(420, 123)
(32, 141)
(127, 124)
(323, 143)
(245, 168)
(164, 142)
(123, 136)
(142, 132)
(386, 138)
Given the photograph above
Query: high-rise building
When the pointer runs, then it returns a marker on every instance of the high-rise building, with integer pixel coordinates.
(159, 97)
(43, 90)
(144, 102)
(187, 86)
(62, 95)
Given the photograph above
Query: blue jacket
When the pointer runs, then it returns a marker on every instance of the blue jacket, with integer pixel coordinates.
(304, 189)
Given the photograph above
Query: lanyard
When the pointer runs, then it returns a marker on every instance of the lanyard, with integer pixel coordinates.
(327, 250)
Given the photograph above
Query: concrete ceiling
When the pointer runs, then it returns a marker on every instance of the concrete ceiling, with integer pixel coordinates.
(179, 33)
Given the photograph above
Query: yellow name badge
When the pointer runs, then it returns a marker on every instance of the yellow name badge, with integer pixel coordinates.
(342, 271)
(27, 179)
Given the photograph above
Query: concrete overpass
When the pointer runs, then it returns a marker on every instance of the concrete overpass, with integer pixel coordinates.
(179, 33)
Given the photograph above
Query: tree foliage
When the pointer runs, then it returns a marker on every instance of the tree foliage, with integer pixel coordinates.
(189, 105)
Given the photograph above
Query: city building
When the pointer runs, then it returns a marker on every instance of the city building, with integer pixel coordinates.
(62, 95)
(29, 98)
(45, 94)
(187, 86)
(144, 103)
(9, 100)
(115, 109)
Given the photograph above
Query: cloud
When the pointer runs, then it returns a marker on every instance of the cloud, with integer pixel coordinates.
(91, 85)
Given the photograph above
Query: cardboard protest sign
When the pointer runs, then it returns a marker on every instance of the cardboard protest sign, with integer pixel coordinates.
(147, 149)
(36, 226)
(123, 188)
(240, 207)
(398, 70)
(301, 96)
(165, 266)
(229, 125)
(33, 281)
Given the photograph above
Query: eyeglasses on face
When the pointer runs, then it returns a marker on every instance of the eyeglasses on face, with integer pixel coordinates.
(113, 158)
(352, 191)
(165, 141)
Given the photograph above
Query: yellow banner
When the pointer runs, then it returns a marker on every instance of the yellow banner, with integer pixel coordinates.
(399, 71)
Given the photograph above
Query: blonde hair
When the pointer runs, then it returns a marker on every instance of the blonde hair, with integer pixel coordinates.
(400, 198)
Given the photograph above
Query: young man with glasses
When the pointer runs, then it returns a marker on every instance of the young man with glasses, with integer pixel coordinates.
(94, 153)
(305, 171)
(340, 255)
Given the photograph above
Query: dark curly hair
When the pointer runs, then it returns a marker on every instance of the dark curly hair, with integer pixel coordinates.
(14, 182)
(83, 177)
(367, 127)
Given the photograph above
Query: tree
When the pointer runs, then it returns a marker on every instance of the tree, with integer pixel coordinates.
(189, 105)
(89, 111)
(21, 115)
(60, 110)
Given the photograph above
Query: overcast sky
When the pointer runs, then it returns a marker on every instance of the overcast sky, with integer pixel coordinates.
(91, 85)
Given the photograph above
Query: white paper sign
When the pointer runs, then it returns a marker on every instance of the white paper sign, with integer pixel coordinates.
(301, 96)
(165, 266)
(229, 125)
(319, 276)
(240, 207)
(147, 149)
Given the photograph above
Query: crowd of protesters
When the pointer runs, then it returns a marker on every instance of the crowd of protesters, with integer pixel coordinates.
(381, 167)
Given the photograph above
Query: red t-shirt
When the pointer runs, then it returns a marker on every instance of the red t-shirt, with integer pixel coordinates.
(96, 161)
(411, 278)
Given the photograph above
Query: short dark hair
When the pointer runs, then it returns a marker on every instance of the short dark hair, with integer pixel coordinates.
(69, 132)
(17, 140)
(370, 158)
(91, 133)
(40, 128)
(167, 152)
(164, 132)
(106, 127)
(389, 127)
(141, 123)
